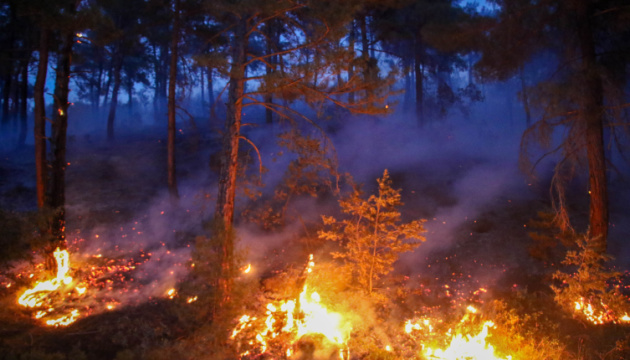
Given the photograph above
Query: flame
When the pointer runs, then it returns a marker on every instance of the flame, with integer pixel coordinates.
(37, 296)
(423, 324)
(293, 319)
(171, 293)
(467, 347)
(461, 345)
(318, 320)
(64, 320)
(598, 315)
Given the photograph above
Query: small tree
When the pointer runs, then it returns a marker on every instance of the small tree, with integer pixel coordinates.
(590, 284)
(372, 237)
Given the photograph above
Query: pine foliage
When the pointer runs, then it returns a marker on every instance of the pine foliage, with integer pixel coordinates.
(372, 236)
(590, 281)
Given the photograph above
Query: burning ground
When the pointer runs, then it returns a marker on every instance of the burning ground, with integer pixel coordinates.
(130, 285)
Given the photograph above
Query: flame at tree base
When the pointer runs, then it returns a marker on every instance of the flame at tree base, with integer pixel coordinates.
(39, 295)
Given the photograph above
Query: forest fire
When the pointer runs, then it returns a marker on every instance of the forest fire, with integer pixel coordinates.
(598, 315)
(94, 284)
(466, 343)
(39, 295)
(288, 321)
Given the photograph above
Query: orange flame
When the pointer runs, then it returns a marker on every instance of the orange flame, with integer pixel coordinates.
(37, 296)
(598, 315)
(460, 345)
(295, 318)
(467, 347)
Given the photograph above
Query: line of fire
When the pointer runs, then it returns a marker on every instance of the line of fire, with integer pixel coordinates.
(314, 180)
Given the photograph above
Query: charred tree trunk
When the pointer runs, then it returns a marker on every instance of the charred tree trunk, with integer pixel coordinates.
(59, 128)
(118, 60)
(172, 79)
(39, 115)
(592, 117)
(224, 213)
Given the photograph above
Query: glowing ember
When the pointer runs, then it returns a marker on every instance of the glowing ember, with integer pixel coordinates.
(64, 320)
(171, 293)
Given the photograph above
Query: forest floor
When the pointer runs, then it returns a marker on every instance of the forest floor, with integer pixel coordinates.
(478, 218)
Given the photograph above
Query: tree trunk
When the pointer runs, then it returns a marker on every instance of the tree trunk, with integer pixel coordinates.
(39, 115)
(419, 81)
(108, 84)
(156, 87)
(408, 92)
(224, 212)
(202, 87)
(130, 97)
(211, 97)
(114, 103)
(592, 117)
(525, 98)
(8, 69)
(23, 101)
(172, 79)
(270, 68)
(59, 128)
(351, 38)
(99, 83)
(163, 89)
(365, 57)
(6, 93)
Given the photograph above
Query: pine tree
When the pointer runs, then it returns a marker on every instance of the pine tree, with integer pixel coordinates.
(589, 39)
(372, 236)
